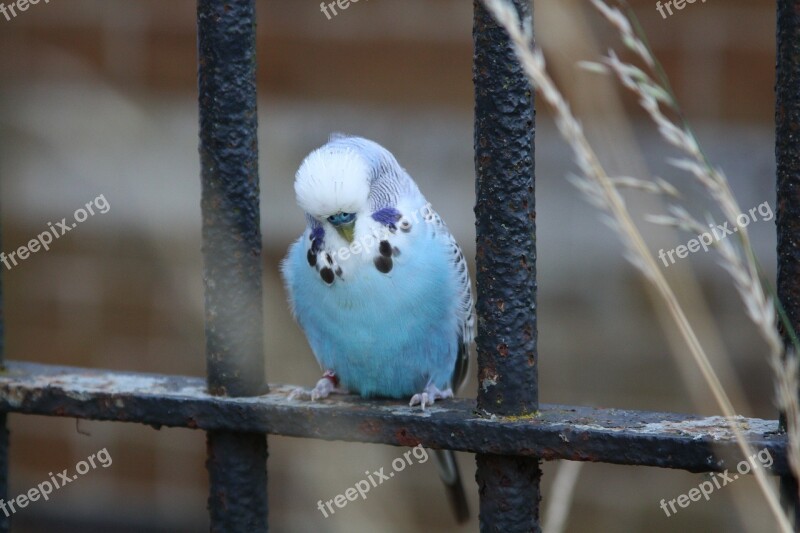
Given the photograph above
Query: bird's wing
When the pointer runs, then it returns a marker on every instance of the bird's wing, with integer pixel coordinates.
(448, 468)
(466, 304)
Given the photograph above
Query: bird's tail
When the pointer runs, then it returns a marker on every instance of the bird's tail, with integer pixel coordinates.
(448, 470)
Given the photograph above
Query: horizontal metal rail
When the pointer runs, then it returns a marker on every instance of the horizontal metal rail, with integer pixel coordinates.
(667, 440)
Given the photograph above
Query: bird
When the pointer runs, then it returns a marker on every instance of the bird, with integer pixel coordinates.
(379, 285)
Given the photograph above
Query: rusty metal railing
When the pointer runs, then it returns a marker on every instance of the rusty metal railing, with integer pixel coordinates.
(508, 361)
(507, 428)
(787, 156)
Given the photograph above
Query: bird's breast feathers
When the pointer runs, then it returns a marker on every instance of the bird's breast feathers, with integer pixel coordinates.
(388, 281)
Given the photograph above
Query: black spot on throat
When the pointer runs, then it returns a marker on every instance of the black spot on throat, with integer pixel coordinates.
(312, 258)
(327, 275)
(383, 263)
(385, 249)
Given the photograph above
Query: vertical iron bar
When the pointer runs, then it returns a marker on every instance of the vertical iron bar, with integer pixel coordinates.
(506, 268)
(787, 155)
(5, 521)
(232, 254)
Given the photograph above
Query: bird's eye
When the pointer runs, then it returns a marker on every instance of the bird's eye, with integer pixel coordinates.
(341, 218)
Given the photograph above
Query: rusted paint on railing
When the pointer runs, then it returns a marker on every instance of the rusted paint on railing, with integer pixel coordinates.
(667, 440)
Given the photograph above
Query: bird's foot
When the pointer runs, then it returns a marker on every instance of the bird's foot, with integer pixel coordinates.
(327, 385)
(429, 396)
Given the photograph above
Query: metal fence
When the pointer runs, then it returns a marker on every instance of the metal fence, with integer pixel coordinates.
(508, 430)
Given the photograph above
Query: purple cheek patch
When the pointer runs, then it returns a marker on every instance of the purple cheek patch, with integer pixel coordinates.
(317, 237)
(387, 216)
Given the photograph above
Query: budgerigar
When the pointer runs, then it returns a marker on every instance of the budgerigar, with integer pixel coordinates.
(378, 284)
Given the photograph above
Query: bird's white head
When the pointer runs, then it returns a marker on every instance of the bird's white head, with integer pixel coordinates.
(333, 186)
(332, 180)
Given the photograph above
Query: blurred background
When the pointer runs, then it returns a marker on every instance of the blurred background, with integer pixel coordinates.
(99, 97)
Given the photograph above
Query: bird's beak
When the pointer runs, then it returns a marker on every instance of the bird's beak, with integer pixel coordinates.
(347, 230)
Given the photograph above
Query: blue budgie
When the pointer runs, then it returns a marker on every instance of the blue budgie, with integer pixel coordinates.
(378, 284)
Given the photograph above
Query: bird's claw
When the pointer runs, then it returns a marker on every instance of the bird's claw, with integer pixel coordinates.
(299, 394)
(429, 396)
(321, 390)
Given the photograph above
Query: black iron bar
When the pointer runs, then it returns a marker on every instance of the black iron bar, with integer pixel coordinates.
(5, 521)
(506, 268)
(787, 155)
(232, 255)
